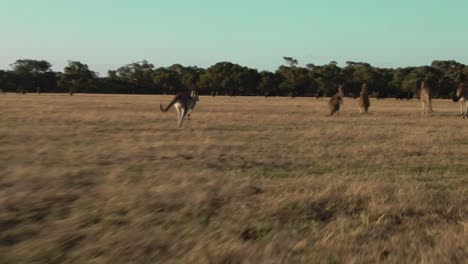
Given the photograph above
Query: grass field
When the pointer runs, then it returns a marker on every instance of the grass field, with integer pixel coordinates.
(111, 179)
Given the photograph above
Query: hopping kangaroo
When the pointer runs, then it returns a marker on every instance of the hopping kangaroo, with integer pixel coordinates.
(425, 97)
(461, 97)
(336, 101)
(363, 100)
(184, 103)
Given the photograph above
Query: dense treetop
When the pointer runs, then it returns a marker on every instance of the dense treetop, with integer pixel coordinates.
(226, 78)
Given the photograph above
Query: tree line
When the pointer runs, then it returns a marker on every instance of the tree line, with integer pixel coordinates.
(226, 78)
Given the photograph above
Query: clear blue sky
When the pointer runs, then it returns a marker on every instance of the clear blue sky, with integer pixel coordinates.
(107, 34)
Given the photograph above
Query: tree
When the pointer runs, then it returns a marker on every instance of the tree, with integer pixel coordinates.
(139, 76)
(357, 73)
(248, 80)
(412, 82)
(223, 78)
(168, 81)
(269, 84)
(30, 74)
(311, 66)
(449, 68)
(291, 61)
(452, 76)
(328, 78)
(296, 81)
(206, 84)
(77, 77)
(188, 76)
(3, 81)
(227, 78)
(395, 85)
(31, 66)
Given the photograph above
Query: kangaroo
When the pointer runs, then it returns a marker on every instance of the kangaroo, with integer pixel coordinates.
(425, 97)
(462, 96)
(363, 100)
(336, 101)
(184, 104)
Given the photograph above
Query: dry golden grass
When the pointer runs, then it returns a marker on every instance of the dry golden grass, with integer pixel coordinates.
(110, 179)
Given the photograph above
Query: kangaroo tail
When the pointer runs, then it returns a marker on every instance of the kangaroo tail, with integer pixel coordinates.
(168, 106)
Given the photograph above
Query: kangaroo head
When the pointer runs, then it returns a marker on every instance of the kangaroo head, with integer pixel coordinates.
(194, 95)
(340, 90)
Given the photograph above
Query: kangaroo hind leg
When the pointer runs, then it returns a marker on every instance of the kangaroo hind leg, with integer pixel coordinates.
(465, 114)
(182, 114)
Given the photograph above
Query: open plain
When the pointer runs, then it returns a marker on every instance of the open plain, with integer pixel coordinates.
(111, 179)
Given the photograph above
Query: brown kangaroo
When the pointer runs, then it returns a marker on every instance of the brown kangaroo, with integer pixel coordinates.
(425, 97)
(336, 101)
(184, 103)
(461, 97)
(363, 100)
